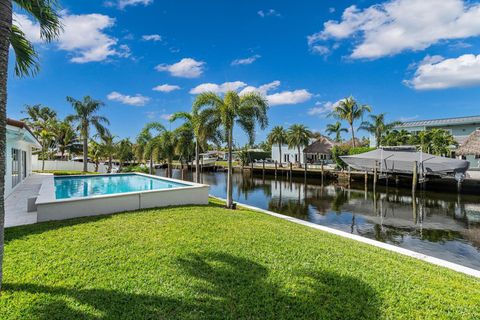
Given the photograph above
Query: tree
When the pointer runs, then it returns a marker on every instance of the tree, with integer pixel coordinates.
(349, 110)
(26, 64)
(46, 137)
(146, 141)
(66, 138)
(166, 149)
(378, 127)
(108, 145)
(298, 136)
(278, 136)
(336, 129)
(246, 110)
(95, 152)
(86, 116)
(37, 115)
(124, 151)
(204, 129)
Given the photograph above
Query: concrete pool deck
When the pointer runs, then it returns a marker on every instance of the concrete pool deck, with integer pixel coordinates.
(16, 203)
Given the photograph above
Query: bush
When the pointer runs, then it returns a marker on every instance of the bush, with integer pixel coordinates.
(133, 168)
(345, 149)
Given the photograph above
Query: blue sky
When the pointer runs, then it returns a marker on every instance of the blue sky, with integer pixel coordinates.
(410, 59)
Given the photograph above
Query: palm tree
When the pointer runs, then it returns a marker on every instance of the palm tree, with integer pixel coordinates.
(204, 129)
(246, 110)
(166, 149)
(37, 115)
(124, 151)
(184, 146)
(336, 129)
(298, 136)
(26, 64)
(146, 143)
(46, 137)
(349, 110)
(66, 138)
(378, 127)
(85, 116)
(278, 135)
(108, 145)
(95, 152)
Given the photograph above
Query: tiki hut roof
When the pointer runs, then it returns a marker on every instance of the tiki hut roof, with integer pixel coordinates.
(471, 146)
(322, 145)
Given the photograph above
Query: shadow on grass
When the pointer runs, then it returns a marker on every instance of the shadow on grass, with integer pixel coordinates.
(215, 285)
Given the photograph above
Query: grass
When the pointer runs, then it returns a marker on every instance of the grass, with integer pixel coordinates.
(207, 262)
(65, 172)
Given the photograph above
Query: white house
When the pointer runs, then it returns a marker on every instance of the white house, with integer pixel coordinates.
(317, 150)
(18, 155)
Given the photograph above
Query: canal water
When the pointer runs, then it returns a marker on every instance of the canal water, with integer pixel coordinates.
(443, 225)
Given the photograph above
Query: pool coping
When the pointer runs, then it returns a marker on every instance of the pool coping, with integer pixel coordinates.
(406, 252)
(46, 193)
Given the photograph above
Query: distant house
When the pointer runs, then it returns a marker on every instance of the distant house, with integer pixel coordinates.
(18, 156)
(318, 149)
(460, 128)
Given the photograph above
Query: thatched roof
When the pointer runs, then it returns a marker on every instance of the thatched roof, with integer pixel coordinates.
(322, 145)
(471, 146)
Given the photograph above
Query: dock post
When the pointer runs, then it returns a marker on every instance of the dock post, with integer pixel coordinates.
(375, 176)
(275, 169)
(306, 168)
(291, 170)
(263, 172)
(366, 178)
(201, 166)
(251, 165)
(415, 177)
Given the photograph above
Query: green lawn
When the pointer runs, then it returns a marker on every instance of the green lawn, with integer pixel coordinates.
(207, 262)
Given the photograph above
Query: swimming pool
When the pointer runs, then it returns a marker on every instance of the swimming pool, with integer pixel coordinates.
(89, 195)
(86, 186)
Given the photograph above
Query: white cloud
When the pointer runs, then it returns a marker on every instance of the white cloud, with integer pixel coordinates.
(274, 99)
(125, 3)
(289, 97)
(218, 88)
(166, 88)
(83, 35)
(245, 61)
(322, 108)
(152, 37)
(321, 50)
(463, 71)
(269, 13)
(185, 68)
(399, 25)
(136, 100)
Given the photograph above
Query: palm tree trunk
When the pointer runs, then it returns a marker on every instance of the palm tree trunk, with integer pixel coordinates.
(229, 172)
(150, 169)
(353, 135)
(197, 160)
(280, 153)
(299, 160)
(85, 153)
(5, 26)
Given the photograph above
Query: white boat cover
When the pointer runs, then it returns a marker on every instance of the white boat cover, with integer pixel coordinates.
(394, 161)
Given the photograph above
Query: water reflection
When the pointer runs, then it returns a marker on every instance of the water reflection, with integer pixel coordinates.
(443, 225)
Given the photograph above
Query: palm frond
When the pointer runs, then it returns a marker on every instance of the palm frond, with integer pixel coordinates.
(26, 58)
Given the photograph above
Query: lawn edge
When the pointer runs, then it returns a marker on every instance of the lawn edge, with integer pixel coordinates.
(382, 245)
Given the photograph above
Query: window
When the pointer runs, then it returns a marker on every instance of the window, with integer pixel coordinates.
(15, 167)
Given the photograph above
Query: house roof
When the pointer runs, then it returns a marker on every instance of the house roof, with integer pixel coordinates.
(22, 125)
(471, 146)
(440, 122)
(322, 145)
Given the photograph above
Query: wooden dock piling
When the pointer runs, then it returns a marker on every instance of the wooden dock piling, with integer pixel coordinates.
(415, 176)
(275, 169)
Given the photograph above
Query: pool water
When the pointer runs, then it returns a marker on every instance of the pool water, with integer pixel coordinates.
(86, 186)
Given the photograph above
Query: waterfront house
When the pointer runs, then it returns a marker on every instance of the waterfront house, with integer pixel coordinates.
(18, 154)
(318, 149)
(470, 150)
(460, 128)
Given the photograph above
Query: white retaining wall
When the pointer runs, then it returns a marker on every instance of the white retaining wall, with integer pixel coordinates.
(65, 165)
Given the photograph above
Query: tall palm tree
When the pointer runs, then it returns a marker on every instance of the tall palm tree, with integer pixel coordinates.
(86, 116)
(46, 137)
(245, 110)
(378, 127)
(95, 152)
(204, 129)
(108, 145)
(349, 110)
(278, 136)
(146, 143)
(124, 151)
(37, 114)
(298, 136)
(26, 64)
(166, 148)
(185, 146)
(336, 129)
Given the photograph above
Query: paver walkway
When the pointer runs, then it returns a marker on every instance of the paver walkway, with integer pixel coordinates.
(16, 203)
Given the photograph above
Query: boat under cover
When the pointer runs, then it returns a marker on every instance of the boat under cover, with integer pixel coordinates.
(403, 161)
